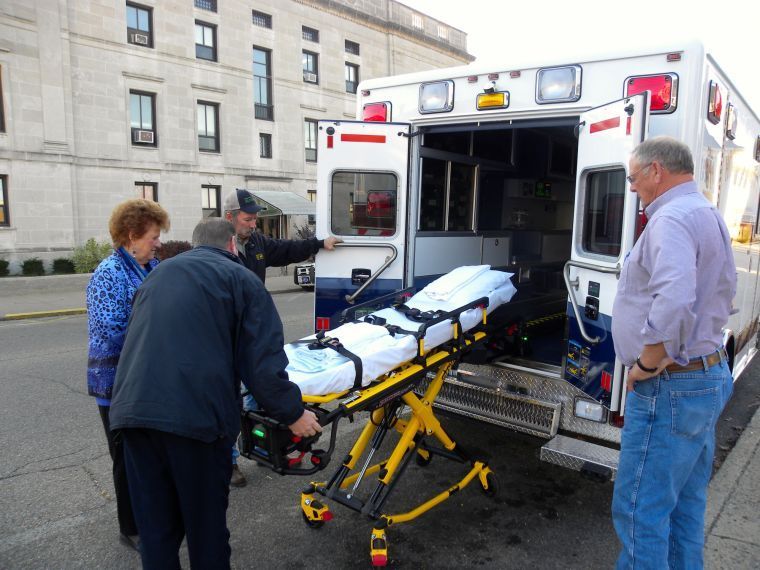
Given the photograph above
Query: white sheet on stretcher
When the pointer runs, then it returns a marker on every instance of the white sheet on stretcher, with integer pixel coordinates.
(325, 371)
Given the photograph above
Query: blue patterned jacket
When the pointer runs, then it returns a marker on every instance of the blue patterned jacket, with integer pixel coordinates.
(109, 304)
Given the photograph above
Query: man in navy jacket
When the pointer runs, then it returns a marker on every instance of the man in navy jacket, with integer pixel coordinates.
(257, 251)
(201, 322)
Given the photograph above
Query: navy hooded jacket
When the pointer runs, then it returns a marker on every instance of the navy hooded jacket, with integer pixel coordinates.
(262, 252)
(201, 323)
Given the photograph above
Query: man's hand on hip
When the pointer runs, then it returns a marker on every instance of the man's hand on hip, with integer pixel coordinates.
(307, 425)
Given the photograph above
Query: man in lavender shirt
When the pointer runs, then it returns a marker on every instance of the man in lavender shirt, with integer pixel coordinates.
(674, 297)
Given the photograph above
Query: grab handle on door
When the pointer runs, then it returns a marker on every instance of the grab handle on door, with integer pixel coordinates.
(575, 284)
(351, 299)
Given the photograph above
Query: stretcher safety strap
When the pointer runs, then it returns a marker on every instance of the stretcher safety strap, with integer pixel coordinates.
(334, 343)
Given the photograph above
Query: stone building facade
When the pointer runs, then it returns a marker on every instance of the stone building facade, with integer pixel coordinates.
(180, 100)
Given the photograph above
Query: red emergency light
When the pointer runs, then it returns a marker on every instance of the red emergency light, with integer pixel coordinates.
(664, 90)
(379, 112)
(714, 104)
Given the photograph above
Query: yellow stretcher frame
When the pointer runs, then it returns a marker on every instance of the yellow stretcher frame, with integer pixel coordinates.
(389, 389)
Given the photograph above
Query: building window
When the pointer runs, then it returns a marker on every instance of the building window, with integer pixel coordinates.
(417, 21)
(209, 5)
(262, 84)
(211, 200)
(443, 32)
(139, 25)
(5, 220)
(208, 127)
(310, 34)
(352, 47)
(310, 139)
(261, 19)
(352, 77)
(265, 145)
(147, 190)
(142, 111)
(310, 67)
(205, 41)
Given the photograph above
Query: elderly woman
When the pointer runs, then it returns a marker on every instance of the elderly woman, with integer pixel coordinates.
(135, 228)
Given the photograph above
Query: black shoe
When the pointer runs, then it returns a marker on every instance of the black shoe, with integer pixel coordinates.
(130, 540)
(237, 479)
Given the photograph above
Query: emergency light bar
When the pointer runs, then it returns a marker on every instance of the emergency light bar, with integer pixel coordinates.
(436, 97)
(558, 84)
(664, 89)
(379, 112)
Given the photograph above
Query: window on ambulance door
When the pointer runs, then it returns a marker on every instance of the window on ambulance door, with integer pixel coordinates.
(603, 215)
(363, 204)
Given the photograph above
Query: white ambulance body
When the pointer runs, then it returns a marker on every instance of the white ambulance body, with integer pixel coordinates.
(523, 167)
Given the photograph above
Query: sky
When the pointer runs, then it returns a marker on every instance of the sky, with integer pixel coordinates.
(496, 28)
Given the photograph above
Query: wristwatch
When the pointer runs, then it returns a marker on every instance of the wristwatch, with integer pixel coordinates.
(644, 368)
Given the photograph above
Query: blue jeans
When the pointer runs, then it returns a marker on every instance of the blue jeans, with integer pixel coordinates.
(248, 404)
(666, 454)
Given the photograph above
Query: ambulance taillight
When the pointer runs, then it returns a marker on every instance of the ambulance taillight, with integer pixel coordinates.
(663, 87)
(378, 112)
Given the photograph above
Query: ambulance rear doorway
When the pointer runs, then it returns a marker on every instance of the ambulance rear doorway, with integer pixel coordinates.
(504, 195)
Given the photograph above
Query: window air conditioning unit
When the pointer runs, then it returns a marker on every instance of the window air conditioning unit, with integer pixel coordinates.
(310, 77)
(141, 39)
(143, 136)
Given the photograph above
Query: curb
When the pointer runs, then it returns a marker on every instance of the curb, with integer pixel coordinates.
(727, 478)
(42, 314)
(82, 310)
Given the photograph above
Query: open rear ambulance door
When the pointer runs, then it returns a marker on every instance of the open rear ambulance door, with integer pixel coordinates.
(362, 175)
(603, 232)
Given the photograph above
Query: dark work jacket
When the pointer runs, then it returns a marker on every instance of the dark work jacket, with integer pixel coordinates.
(200, 323)
(262, 252)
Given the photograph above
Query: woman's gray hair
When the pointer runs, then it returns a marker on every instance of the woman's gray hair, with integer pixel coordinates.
(214, 232)
(674, 155)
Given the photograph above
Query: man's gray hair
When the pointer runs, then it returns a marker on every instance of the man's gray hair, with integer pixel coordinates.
(214, 232)
(674, 155)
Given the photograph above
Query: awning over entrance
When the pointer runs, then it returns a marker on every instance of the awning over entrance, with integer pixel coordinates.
(279, 203)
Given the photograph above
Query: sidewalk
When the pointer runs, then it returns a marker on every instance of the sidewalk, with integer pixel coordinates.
(55, 295)
(732, 523)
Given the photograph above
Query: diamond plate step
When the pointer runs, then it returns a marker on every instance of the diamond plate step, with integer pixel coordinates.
(596, 460)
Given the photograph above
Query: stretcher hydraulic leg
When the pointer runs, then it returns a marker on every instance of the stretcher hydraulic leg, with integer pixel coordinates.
(422, 424)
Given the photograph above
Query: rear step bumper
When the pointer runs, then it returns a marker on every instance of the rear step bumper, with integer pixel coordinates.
(597, 461)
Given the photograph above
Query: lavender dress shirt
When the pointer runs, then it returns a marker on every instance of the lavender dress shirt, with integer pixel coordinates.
(678, 282)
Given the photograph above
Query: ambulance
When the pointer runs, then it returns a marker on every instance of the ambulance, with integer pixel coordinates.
(522, 166)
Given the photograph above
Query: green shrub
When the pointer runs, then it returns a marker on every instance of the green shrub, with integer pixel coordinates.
(4, 267)
(32, 266)
(87, 257)
(172, 248)
(63, 266)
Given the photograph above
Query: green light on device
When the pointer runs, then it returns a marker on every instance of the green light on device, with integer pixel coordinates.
(259, 433)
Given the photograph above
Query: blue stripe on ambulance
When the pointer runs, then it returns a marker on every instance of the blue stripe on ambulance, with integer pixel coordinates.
(590, 367)
(331, 293)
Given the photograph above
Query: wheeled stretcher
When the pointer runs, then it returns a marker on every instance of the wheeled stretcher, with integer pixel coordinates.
(385, 397)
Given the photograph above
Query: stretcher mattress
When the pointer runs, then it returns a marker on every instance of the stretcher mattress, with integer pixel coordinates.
(325, 371)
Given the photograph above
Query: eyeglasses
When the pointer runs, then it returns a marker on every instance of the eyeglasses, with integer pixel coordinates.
(631, 178)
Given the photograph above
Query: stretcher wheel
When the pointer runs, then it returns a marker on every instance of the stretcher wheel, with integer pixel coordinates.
(423, 461)
(493, 485)
(311, 523)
